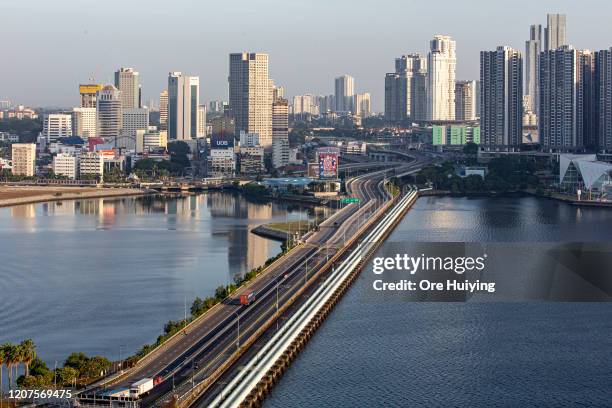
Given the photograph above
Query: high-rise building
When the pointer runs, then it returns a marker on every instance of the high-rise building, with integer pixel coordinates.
(84, 122)
(362, 105)
(134, 119)
(326, 103)
(280, 133)
(278, 92)
(23, 156)
(465, 100)
(344, 91)
(163, 110)
(533, 47)
(305, 105)
(250, 95)
(57, 125)
(603, 98)
(91, 164)
(405, 89)
(109, 113)
(554, 34)
(501, 81)
(88, 94)
(128, 82)
(201, 122)
(183, 103)
(441, 64)
(565, 109)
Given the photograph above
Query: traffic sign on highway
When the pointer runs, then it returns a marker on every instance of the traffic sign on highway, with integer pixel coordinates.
(349, 200)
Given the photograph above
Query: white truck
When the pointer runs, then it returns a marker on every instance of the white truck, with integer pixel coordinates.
(141, 387)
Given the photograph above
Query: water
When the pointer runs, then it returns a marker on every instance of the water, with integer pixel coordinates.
(463, 354)
(103, 276)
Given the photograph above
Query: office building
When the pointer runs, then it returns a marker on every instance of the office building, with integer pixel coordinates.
(23, 157)
(134, 119)
(84, 122)
(249, 139)
(57, 125)
(163, 110)
(91, 164)
(565, 110)
(344, 90)
(221, 158)
(280, 133)
(362, 105)
(251, 160)
(88, 93)
(109, 113)
(150, 139)
(554, 33)
(250, 95)
(441, 63)
(465, 100)
(501, 81)
(533, 47)
(406, 89)
(183, 106)
(65, 165)
(128, 82)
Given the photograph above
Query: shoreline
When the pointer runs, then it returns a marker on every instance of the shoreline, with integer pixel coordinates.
(35, 195)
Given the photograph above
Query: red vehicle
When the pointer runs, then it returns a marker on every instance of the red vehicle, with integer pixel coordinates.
(157, 380)
(247, 298)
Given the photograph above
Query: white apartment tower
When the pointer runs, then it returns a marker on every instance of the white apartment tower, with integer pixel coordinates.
(183, 106)
(344, 87)
(65, 165)
(23, 156)
(128, 82)
(442, 63)
(84, 122)
(250, 95)
(57, 125)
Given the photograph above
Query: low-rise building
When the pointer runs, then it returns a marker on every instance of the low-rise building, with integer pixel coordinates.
(455, 135)
(91, 164)
(251, 160)
(65, 165)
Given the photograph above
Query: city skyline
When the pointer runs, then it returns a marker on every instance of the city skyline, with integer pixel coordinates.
(101, 57)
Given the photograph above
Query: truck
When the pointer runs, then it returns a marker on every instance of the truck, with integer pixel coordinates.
(247, 298)
(141, 387)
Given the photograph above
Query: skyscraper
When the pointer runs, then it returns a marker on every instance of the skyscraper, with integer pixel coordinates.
(602, 86)
(406, 89)
(183, 103)
(554, 34)
(250, 94)
(109, 113)
(564, 94)
(465, 100)
(163, 110)
(344, 90)
(441, 64)
(88, 94)
(501, 81)
(134, 119)
(362, 104)
(128, 82)
(533, 48)
(280, 133)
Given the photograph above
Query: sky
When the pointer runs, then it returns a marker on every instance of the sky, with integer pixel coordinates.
(50, 46)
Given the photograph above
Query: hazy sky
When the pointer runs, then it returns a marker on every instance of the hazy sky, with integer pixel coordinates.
(50, 46)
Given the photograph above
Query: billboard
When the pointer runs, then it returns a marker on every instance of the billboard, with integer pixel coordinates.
(221, 142)
(327, 157)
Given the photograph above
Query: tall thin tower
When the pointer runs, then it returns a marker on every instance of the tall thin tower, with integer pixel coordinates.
(442, 63)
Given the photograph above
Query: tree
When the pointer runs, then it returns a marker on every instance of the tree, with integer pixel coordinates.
(1, 365)
(470, 148)
(28, 353)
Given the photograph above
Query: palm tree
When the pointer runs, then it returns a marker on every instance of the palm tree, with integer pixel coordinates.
(1, 368)
(9, 358)
(28, 354)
